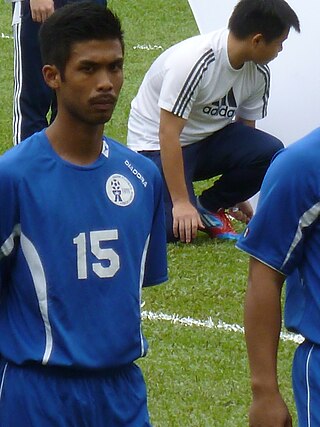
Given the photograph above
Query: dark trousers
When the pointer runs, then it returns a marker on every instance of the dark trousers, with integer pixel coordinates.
(239, 153)
(33, 99)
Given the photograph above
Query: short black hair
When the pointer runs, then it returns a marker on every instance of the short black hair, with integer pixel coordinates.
(271, 18)
(73, 23)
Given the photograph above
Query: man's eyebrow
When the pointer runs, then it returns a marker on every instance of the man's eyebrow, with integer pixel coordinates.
(118, 61)
(87, 62)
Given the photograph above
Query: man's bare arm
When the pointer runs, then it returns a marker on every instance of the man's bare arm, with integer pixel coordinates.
(262, 330)
(186, 219)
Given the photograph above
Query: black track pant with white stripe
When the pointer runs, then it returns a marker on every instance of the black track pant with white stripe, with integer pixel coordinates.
(33, 99)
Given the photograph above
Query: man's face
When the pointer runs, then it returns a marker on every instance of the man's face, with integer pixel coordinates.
(266, 52)
(92, 81)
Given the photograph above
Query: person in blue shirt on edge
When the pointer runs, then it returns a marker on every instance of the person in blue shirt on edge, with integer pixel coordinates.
(285, 247)
(81, 231)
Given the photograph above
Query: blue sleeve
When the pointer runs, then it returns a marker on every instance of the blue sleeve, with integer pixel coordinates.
(156, 260)
(9, 217)
(288, 207)
(9, 213)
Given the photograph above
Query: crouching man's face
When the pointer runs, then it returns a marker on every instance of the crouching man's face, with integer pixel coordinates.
(265, 52)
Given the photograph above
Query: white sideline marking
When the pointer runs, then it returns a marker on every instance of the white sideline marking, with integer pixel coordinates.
(147, 47)
(210, 324)
(4, 36)
(136, 47)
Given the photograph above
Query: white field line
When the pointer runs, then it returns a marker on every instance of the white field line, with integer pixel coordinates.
(5, 36)
(146, 46)
(210, 324)
(139, 46)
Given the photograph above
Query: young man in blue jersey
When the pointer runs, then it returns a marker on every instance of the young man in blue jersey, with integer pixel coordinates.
(33, 100)
(82, 231)
(285, 247)
(195, 112)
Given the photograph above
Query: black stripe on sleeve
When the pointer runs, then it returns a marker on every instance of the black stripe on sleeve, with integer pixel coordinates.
(265, 71)
(192, 82)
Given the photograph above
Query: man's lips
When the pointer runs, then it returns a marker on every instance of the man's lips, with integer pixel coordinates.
(103, 101)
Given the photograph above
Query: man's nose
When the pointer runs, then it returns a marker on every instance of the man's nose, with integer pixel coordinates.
(104, 81)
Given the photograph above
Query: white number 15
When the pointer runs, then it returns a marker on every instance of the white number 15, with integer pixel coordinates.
(103, 254)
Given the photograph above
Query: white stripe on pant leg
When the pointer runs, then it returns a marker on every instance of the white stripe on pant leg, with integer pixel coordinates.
(2, 379)
(308, 386)
(17, 61)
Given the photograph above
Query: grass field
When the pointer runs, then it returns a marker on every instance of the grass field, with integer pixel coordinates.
(196, 369)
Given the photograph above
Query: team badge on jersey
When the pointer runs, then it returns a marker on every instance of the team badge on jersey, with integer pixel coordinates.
(119, 190)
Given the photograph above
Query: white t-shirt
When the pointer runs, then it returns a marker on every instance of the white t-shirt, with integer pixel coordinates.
(195, 80)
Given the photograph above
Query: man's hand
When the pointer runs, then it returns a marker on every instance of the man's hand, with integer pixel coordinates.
(186, 221)
(41, 9)
(269, 411)
(242, 212)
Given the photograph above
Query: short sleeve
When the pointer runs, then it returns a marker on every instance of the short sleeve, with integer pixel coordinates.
(181, 84)
(156, 258)
(256, 105)
(288, 209)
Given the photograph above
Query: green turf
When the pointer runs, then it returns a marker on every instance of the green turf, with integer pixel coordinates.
(196, 376)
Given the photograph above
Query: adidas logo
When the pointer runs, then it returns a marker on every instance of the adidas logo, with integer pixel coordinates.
(225, 107)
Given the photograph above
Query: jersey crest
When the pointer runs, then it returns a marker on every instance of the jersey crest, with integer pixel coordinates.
(119, 190)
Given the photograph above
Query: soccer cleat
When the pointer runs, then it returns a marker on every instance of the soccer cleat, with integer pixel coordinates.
(217, 224)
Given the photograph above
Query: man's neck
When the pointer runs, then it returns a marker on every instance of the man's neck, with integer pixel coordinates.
(237, 51)
(81, 145)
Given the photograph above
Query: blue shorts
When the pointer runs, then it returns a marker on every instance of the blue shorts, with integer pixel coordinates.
(47, 397)
(306, 384)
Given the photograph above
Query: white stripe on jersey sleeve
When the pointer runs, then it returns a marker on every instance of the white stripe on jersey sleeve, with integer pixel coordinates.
(305, 221)
(142, 270)
(8, 245)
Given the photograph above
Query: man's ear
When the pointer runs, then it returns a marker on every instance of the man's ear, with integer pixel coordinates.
(51, 76)
(257, 40)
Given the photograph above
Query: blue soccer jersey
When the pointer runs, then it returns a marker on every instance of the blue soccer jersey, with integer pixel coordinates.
(285, 231)
(77, 243)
